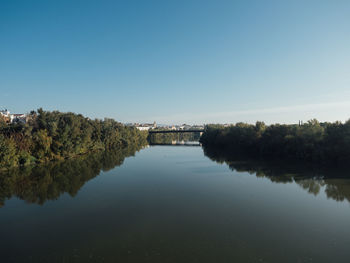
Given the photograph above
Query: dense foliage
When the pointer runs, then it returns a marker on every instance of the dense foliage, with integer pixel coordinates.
(55, 135)
(312, 141)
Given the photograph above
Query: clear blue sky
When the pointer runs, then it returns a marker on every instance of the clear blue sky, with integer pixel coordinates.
(178, 61)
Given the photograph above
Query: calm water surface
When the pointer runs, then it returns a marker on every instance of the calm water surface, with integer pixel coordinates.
(173, 204)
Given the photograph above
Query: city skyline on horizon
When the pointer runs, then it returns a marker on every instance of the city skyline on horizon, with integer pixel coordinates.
(241, 114)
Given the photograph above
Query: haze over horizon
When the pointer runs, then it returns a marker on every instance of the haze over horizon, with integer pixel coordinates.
(178, 62)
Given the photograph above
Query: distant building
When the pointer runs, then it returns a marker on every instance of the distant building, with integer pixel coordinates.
(186, 126)
(143, 128)
(18, 118)
(146, 126)
(197, 127)
(5, 113)
(13, 118)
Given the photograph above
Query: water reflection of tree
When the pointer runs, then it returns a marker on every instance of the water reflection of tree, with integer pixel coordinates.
(41, 183)
(335, 183)
(168, 138)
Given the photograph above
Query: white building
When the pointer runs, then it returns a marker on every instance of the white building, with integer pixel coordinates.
(146, 126)
(143, 128)
(18, 118)
(5, 113)
(13, 118)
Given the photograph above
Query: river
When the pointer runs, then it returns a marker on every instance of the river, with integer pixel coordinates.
(173, 204)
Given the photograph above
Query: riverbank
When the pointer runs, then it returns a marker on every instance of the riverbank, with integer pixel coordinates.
(322, 143)
(49, 136)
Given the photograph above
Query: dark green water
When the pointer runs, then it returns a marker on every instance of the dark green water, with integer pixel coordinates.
(172, 204)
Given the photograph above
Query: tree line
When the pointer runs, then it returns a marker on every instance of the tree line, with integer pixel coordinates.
(313, 141)
(55, 136)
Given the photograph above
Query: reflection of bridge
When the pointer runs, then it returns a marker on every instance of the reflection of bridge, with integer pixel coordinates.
(179, 144)
(176, 131)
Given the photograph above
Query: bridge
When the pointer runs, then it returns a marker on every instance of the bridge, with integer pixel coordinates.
(176, 131)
